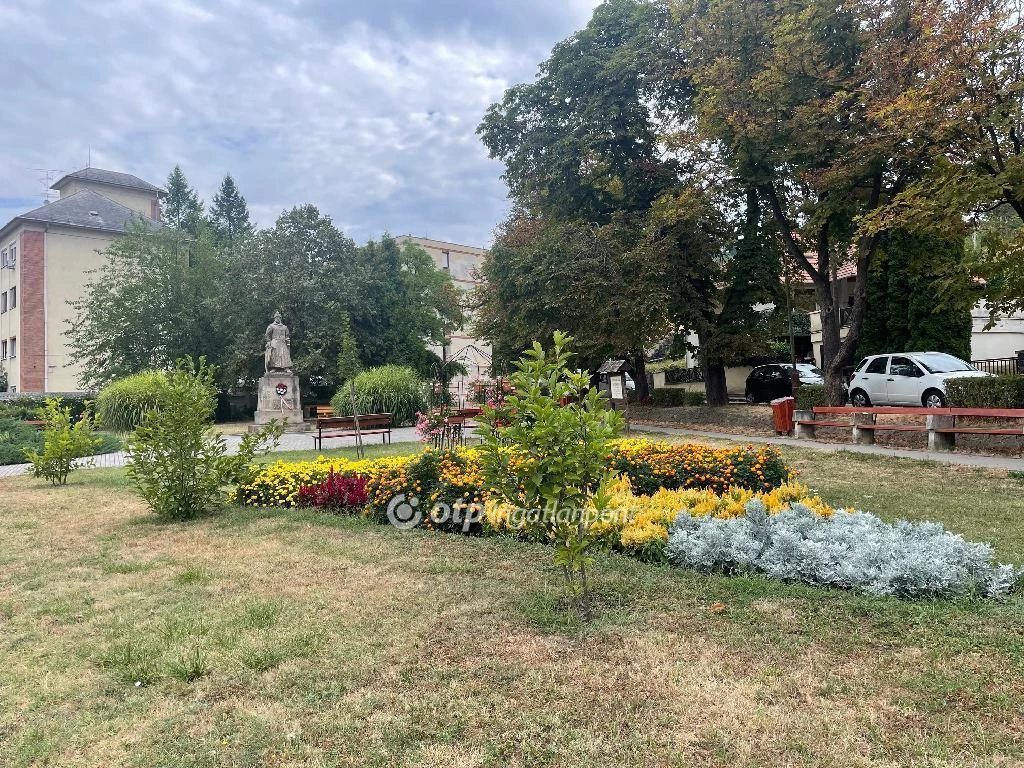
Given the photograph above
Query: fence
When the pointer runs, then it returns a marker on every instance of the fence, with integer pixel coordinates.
(1000, 366)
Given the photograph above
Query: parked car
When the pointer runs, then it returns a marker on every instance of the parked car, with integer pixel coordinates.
(767, 382)
(907, 378)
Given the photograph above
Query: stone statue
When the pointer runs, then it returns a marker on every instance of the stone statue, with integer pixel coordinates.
(278, 356)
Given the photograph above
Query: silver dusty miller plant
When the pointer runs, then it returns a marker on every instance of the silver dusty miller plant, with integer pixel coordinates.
(852, 550)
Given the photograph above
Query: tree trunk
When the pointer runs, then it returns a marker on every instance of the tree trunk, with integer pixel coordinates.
(714, 383)
(640, 377)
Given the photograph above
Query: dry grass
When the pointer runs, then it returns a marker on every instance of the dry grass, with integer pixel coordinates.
(297, 639)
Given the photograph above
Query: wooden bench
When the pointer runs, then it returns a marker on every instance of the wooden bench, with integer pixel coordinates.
(939, 423)
(345, 426)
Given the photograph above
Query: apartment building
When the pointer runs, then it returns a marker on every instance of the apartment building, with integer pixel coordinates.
(460, 261)
(45, 257)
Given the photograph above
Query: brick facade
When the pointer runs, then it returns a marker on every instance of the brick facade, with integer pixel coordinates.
(31, 298)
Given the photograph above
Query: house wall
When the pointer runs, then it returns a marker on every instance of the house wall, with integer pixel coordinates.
(136, 199)
(475, 354)
(1004, 339)
(70, 255)
(10, 321)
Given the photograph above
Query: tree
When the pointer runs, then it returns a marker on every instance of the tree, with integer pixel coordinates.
(404, 304)
(229, 214)
(794, 94)
(348, 368)
(156, 298)
(596, 282)
(919, 297)
(182, 209)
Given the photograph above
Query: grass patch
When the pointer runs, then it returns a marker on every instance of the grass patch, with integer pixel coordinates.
(273, 637)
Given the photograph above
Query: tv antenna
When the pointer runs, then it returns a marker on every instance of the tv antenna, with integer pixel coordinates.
(47, 176)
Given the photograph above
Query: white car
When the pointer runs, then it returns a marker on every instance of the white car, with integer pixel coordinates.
(907, 378)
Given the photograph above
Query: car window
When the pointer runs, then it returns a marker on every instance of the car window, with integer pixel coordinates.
(904, 366)
(878, 365)
(861, 364)
(938, 362)
(807, 368)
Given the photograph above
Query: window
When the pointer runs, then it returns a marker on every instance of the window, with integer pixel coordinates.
(878, 365)
(3, 349)
(12, 347)
(447, 260)
(904, 366)
(938, 362)
(3, 302)
(13, 301)
(12, 250)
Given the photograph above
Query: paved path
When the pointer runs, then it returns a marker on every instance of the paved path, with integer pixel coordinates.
(962, 459)
(290, 441)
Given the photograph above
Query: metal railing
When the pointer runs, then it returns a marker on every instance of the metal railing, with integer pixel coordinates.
(1000, 366)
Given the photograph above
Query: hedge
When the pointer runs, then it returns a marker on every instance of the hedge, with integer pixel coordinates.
(810, 396)
(675, 398)
(986, 392)
(25, 407)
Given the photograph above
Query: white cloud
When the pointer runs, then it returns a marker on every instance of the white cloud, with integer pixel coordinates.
(367, 109)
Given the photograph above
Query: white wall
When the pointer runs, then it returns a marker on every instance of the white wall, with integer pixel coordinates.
(1002, 340)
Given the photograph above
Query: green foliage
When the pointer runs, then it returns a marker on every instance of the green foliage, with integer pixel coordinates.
(157, 297)
(123, 404)
(229, 214)
(15, 438)
(25, 407)
(176, 464)
(541, 455)
(675, 398)
(986, 392)
(810, 396)
(393, 389)
(919, 297)
(348, 356)
(64, 443)
(182, 208)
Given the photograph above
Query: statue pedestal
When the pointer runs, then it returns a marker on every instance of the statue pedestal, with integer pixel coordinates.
(280, 399)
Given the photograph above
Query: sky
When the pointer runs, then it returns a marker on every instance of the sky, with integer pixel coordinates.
(367, 109)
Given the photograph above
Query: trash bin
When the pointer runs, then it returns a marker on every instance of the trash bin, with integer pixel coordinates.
(782, 414)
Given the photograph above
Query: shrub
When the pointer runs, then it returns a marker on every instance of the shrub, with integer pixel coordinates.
(26, 407)
(393, 389)
(986, 392)
(337, 492)
(177, 466)
(675, 398)
(15, 438)
(63, 443)
(122, 405)
(852, 550)
(810, 396)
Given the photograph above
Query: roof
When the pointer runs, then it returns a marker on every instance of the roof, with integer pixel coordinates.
(86, 209)
(614, 366)
(114, 178)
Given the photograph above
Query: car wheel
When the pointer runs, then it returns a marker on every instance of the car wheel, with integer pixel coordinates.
(859, 399)
(933, 399)
(751, 400)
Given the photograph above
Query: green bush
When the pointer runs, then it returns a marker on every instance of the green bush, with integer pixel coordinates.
(177, 465)
(986, 392)
(122, 405)
(64, 443)
(392, 389)
(675, 398)
(810, 396)
(15, 438)
(26, 407)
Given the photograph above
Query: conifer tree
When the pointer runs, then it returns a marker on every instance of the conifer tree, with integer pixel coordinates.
(229, 214)
(183, 209)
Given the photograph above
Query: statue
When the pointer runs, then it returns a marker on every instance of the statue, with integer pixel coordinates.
(278, 356)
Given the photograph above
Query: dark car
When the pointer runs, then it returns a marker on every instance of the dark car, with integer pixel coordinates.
(767, 382)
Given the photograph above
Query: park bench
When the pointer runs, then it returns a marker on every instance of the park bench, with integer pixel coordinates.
(940, 424)
(345, 426)
(319, 411)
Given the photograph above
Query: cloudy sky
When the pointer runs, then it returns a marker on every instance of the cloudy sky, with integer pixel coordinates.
(366, 108)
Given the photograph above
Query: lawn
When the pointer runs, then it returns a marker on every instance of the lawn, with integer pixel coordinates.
(293, 638)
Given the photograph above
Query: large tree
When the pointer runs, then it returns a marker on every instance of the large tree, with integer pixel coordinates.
(585, 145)
(794, 94)
(182, 208)
(229, 214)
(155, 299)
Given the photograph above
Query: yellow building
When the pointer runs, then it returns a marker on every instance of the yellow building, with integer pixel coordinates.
(46, 255)
(461, 262)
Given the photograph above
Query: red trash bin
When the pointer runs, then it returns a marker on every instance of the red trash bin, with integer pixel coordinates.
(782, 414)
